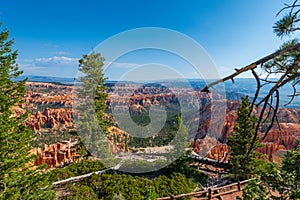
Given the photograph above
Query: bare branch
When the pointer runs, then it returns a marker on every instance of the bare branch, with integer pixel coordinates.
(287, 6)
(294, 93)
(269, 111)
(278, 83)
(251, 66)
(257, 89)
(274, 114)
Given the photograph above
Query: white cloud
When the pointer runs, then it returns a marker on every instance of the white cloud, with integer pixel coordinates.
(56, 59)
(60, 66)
(63, 66)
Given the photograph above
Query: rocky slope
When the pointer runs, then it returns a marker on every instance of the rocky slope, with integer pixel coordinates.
(51, 112)
(50, 107)
(55, 155)
(51, 119)
(278, 139)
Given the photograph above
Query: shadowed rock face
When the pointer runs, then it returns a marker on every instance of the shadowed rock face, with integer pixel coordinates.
(276, 140)
(50, 111)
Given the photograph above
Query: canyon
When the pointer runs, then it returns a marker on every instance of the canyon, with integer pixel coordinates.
(50, 112)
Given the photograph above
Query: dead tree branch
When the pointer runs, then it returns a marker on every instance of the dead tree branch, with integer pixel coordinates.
(251, 66)
(267, 102)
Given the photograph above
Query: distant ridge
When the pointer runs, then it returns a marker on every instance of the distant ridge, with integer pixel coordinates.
(48, 79)
(242, 86)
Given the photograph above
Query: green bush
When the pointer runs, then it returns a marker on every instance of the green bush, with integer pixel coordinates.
(76, 169)
(109, 186)
(183, 165)
(82, 192)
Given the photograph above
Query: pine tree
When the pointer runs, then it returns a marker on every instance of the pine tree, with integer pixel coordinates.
(287, 176)
(290, 173)
(180, 141)
(17, 178)
(239, 141)
(151, 194)
(91, 105)
(284, 179)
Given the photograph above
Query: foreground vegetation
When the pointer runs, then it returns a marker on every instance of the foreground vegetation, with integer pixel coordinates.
(106, 186)
(20, 179)
(130, 186)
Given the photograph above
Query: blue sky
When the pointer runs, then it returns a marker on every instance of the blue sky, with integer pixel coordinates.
(52, 35)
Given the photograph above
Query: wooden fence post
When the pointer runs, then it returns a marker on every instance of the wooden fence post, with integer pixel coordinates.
(239, 186)
(209, 193)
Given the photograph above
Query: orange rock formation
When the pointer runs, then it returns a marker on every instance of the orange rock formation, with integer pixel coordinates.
(55, 119)
(55, 155)
(117, 139)
(60, 117)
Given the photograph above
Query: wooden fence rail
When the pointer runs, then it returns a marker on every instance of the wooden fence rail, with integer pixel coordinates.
(209, 193)
(78, 178)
